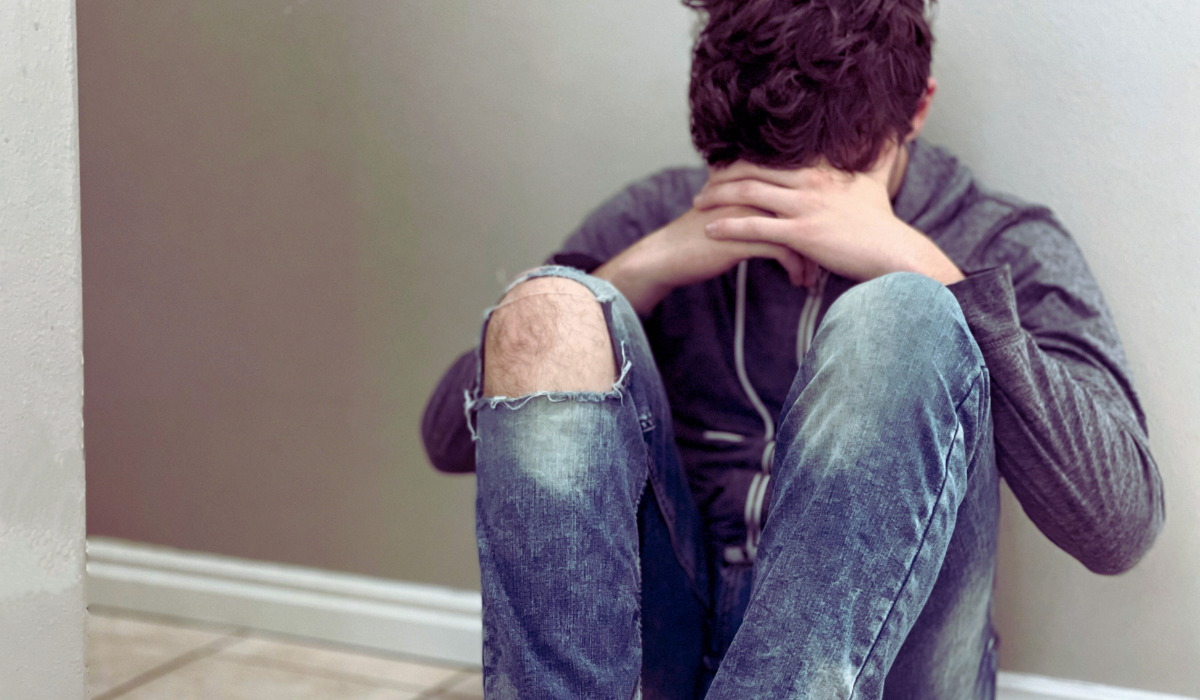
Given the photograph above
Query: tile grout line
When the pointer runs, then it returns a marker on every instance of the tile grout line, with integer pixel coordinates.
(109, 612)
(231, 637)
(436, 689)
(321, 672)
(171, 665)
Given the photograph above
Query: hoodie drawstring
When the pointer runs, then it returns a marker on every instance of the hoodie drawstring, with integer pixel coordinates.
(756, 495)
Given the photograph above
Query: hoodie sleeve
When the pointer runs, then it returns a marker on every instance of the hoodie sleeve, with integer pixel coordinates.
(642, 207)
(444, 429)
(1070, 434)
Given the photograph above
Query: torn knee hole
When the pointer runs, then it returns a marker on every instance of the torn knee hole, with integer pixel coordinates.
(548, 334)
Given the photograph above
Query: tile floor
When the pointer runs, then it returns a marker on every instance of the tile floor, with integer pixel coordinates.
(138, 657)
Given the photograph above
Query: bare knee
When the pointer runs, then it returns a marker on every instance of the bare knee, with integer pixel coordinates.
(547, 334)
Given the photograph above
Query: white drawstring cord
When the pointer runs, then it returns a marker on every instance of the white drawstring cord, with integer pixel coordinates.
(739, 355)
(756, 495)
(808, 317)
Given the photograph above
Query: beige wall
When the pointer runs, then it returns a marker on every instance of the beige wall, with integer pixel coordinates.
(42, 613)
(294, 213)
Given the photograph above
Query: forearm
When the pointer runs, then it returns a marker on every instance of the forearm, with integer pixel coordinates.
(624, 273)
(1070, 447)
(1090, 484)
(680, 253)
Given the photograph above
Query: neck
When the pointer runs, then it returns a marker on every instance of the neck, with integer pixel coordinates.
(899, 167)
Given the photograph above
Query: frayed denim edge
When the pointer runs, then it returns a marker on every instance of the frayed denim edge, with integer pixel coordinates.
(470, 404)
(562, 271)
(467, 401)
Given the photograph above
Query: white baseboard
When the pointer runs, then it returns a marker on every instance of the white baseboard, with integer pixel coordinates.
(428, 621)
(1023, 686)
(440, 624)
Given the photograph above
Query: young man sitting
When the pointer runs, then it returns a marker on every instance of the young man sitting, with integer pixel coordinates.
(742, 437)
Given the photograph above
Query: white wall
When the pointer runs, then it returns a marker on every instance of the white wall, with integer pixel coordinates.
(1091, 106)
(42, 613)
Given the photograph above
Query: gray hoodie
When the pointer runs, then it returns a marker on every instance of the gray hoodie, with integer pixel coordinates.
(1070, 435)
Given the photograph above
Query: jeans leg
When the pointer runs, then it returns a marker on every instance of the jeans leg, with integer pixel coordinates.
(951, 652)
(571, 486)
(878, 442)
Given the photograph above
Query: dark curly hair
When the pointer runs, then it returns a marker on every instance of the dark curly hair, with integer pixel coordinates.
(781, 83)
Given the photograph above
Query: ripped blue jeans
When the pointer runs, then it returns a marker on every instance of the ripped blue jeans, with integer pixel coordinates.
(875, 568)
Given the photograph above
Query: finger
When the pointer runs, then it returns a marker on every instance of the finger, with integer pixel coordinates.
(736, 211)
(791, 178)
(745, 170)
(811, 271)
(794, 263)
(766, 196)
(754, 228)
(820, 174)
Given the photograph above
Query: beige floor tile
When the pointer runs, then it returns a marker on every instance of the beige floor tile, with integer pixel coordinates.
(223, 678)
(470, 687)
(350, 664)
(121, 648)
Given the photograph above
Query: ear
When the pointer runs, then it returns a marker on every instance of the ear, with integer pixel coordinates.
(918, 120)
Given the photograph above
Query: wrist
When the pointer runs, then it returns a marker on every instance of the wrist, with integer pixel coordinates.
(951, 275)
(940, 268)
(626, 272)
(929, 260)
